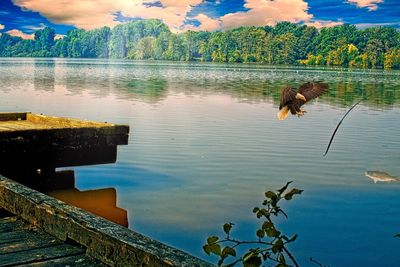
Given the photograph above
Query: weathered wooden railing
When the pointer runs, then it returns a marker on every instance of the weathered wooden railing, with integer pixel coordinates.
(108, 242)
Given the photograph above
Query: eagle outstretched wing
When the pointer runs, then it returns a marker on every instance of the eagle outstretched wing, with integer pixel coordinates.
(312, 90)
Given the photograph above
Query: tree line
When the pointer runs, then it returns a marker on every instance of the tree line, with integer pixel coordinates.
(285, 43)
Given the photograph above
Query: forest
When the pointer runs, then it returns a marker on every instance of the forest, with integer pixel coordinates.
(283, 44)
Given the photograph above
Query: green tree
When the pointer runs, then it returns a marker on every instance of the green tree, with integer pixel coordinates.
(392, 59)
(161, 45)
(144, 48)
(117, 45)
(44, 40)
(6, 43)
(283, 47)
(375, 50)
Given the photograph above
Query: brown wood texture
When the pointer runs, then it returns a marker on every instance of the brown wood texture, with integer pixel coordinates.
(7, 116)
(108, 242)
(33, 132)
(22, 244)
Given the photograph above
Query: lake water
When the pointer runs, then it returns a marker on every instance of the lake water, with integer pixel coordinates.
(205, 145)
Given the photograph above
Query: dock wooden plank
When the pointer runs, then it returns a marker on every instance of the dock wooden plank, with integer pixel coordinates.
(33, 132)
(29, 244)
(78, 260)
(10, 223)
(110, 243)
(64, 122)
(24, 245)
(40, 254)
(7, 116)
(27, 240)
(17, 236)
(12, 236)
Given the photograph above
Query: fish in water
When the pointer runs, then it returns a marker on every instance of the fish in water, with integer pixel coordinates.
(378, 176)
(292, 100)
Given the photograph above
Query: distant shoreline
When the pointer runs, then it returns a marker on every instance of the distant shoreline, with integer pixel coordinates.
(283, 44)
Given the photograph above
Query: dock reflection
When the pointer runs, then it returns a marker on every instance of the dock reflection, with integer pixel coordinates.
(61, 185)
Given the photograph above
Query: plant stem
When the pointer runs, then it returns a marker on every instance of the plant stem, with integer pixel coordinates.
(291, 257)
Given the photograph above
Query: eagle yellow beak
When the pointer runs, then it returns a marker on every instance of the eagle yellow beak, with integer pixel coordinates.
(300, 96)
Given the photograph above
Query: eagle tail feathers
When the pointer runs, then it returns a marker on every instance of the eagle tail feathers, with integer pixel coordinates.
(283, 113)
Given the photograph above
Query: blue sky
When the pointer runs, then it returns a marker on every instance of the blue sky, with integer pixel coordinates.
(23, 17)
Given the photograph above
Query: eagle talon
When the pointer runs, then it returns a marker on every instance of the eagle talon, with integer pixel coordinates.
(301, 113)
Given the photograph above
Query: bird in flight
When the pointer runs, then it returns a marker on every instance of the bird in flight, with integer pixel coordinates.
(292, 100)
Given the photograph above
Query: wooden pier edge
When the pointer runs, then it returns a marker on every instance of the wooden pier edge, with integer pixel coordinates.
(108, 242)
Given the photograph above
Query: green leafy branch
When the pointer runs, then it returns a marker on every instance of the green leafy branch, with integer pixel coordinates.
(271, 244)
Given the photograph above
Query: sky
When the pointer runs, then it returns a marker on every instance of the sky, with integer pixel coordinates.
(23, 17)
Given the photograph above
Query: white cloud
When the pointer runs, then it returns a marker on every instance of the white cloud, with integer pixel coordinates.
(264, 12)
(21, 34)
(86, 14)
(1, 27)
(206, 23)
(58, 36)
(370, 4)
(18, 33)
(323, 23)
(91, 14)
(35, 28)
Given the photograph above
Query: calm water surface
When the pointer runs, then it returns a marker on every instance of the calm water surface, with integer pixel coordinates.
(205, 144)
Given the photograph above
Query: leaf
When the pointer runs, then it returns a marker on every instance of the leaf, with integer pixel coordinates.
(278, 246)
(215, 249)
(272, 232)
(206, 249)
(253, 261)
(284, 188)
(212, 239)
(255, 210)
(264, 212)
(228, 251)
(227, 227)
(293, 238)
(294, 191)
(270, 194)
(260, 233)
(267, 225)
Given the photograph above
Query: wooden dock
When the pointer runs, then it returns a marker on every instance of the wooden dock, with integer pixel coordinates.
(40, 141)
(22, 244)
(43, 231)
(107, 242)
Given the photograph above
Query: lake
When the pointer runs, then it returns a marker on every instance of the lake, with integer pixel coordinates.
(205, 144)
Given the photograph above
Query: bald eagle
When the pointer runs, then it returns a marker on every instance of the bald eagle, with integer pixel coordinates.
(292, 100)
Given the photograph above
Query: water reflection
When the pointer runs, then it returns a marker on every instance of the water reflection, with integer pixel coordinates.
(151, 83)
(44, 75)
(102, 202)
(150, 90)
(208, 143)
(61, 185)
